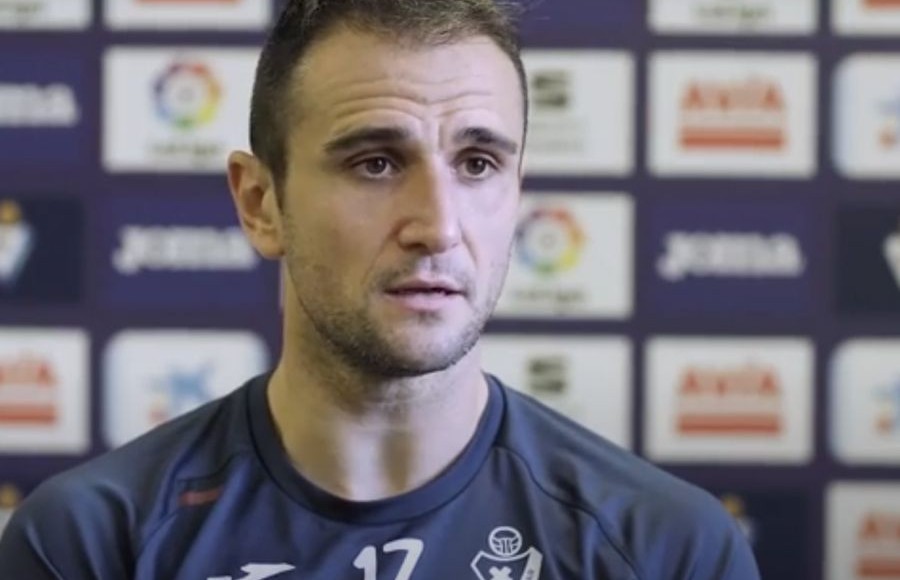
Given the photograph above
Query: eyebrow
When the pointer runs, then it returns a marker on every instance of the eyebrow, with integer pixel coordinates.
(366, 136)
(486, 138)
(394, 135)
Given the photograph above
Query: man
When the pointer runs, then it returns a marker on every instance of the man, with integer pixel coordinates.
(388, 139)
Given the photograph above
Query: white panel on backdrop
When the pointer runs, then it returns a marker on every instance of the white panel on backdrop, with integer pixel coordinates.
(153, 376)
(742, 114)
(45, 14)
(573, 257)
(865, 402)
(188, 14)
(175, 109)
(862, 531)
(729, 400)
(44, 391)
(585, 378)
(867, 116)
(581, 112)
(734, 16)
(865, 17)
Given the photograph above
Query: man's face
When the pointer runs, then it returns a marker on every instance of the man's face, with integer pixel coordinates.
(401, 196)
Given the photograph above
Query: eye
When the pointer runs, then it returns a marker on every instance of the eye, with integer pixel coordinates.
(375, 167)
(477, 166)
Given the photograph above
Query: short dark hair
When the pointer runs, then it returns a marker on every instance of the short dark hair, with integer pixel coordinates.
(303, 22)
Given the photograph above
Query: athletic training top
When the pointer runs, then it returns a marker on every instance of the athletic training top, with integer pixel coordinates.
(212, 495)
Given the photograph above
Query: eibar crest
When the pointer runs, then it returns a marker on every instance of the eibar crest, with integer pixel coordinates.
(508, 561)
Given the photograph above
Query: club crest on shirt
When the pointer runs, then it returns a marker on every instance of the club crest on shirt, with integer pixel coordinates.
(507, 561)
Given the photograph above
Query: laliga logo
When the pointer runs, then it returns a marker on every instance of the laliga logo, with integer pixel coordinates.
(506, 563)
(187, 95)
(549, 241)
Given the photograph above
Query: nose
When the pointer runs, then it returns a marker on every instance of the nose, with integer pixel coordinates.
(430, 206)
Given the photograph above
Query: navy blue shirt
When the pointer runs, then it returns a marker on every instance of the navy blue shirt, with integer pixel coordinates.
(213, 496)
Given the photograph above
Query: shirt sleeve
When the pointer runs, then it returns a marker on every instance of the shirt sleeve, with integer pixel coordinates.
(694, 539)
(65, 531)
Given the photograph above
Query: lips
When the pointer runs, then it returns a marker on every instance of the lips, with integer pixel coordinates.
(418, 286)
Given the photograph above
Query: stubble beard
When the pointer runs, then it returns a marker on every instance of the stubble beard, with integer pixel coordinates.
(355, 337)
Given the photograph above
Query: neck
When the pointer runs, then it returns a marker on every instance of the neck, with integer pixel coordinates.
(366, 439)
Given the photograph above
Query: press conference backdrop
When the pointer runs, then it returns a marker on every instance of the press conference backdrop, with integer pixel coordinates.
(706, 270)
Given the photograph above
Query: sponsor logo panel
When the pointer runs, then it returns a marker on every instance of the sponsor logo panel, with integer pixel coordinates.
(572, 257)
(740, 114)
(867, 273)
(43, 121)
(776, 524)
(587, 379)
(43, 391)
(865, 402)
(728, 257)
(581, 112)
(154, 261)
(41, 251)
(863, 531)
(729, 400)
(866, 17)
(734, 16)
(154, 376)
(178, 110)
(188, 14)
(45, 14)
(867, 117)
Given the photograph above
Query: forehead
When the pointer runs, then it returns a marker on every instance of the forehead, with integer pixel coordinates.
(351, 74)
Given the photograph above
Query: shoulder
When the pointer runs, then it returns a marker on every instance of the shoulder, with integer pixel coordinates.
(658, 523)
(117, 499)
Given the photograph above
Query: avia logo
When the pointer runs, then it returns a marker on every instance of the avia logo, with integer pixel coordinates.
(891, 249)
(28, 391)
(878, 547)
(730, 255)
(258, 572)
(32, 105)
(179, 392)
(550, 241)
(887, 421)
(16, 242)
(746, 115)
(187, 95)
(182, 248)
(745, 401)
(889, 137)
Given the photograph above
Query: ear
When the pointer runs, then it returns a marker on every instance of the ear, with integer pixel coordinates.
(253, 192)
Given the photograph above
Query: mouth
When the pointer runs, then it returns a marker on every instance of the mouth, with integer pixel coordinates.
(424, 294)
(435, 291)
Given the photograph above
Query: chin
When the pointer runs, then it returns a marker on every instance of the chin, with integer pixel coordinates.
(422, 363)
(421, 355)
